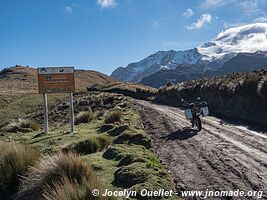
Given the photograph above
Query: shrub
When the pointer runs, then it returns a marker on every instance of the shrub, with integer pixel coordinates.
(113, 116)
(262, 88)
(30, 124)
(99, 113)
(89, 145)
(5, 70)
(58, 173)
(83, 117)
(14, 161)
(169, 84)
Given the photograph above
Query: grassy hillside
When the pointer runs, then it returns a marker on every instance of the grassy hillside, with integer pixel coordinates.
(242, 96)
(22, 80)
(19, 95)
(239, 95)
(110, 144)
(134, 90)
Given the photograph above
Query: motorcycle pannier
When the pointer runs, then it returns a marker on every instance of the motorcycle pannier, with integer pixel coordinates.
(188, 114)
(205, 111)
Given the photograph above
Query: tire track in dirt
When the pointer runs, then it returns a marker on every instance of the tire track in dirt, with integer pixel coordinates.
(220, 157)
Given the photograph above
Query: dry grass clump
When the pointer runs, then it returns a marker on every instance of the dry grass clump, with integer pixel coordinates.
(14, 161)
(113, 116)
(12, 127)
(68, 190)
(84, 117)
(30, 124)
(57, 176)
(21, 125)
(92, 144)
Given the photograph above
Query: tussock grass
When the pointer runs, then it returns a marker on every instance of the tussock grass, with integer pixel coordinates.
(138, 175)
(113, 116)
(68, 190)
(84, 117)
(29, 124)
(14, 161)
(99, 114)
(12, 127)
(133, 137)
(128, 154)
(56, 174)
(22, 125)
(130, 175)
(91, 144)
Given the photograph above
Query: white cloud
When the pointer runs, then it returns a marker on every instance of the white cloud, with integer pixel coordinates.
(201, 21)
(248, 6)
(188, 13)
(250, 38)
(68, 9)
(106, 3)
(246, 38)
(261, 19)
(233, 25)
(215, 3)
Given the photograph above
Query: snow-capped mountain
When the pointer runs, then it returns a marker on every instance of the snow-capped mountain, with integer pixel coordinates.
(161, 60)
(242, 62)
(209, 56)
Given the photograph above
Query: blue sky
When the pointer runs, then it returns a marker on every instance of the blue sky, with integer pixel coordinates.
(105, 34)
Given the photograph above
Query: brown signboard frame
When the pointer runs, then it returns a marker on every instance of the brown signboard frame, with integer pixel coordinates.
(56, 80)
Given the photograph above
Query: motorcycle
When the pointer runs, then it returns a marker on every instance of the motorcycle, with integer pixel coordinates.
(194, 110)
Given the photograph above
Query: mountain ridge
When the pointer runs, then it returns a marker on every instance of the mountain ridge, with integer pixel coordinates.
(242, 62)
(210, 56)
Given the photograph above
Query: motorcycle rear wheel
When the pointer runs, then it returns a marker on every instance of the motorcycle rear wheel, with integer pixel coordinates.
(198, 123)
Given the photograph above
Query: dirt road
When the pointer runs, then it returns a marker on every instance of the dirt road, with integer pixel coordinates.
(220, 157)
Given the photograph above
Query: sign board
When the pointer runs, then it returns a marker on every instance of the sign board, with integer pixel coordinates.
(56, 80)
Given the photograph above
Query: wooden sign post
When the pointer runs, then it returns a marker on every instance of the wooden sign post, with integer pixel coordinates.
(56, 80)
(72, 129)
(46, 129)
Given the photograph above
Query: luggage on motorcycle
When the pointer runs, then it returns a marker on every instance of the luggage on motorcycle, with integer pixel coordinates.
(188, 114)
(205, 111)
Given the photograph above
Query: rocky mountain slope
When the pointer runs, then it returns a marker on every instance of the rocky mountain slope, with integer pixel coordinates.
(242, 62)
(245, 62)
(161, 60)
(211, 56)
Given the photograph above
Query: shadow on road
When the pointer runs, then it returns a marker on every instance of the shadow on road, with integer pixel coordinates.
(181, 134)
